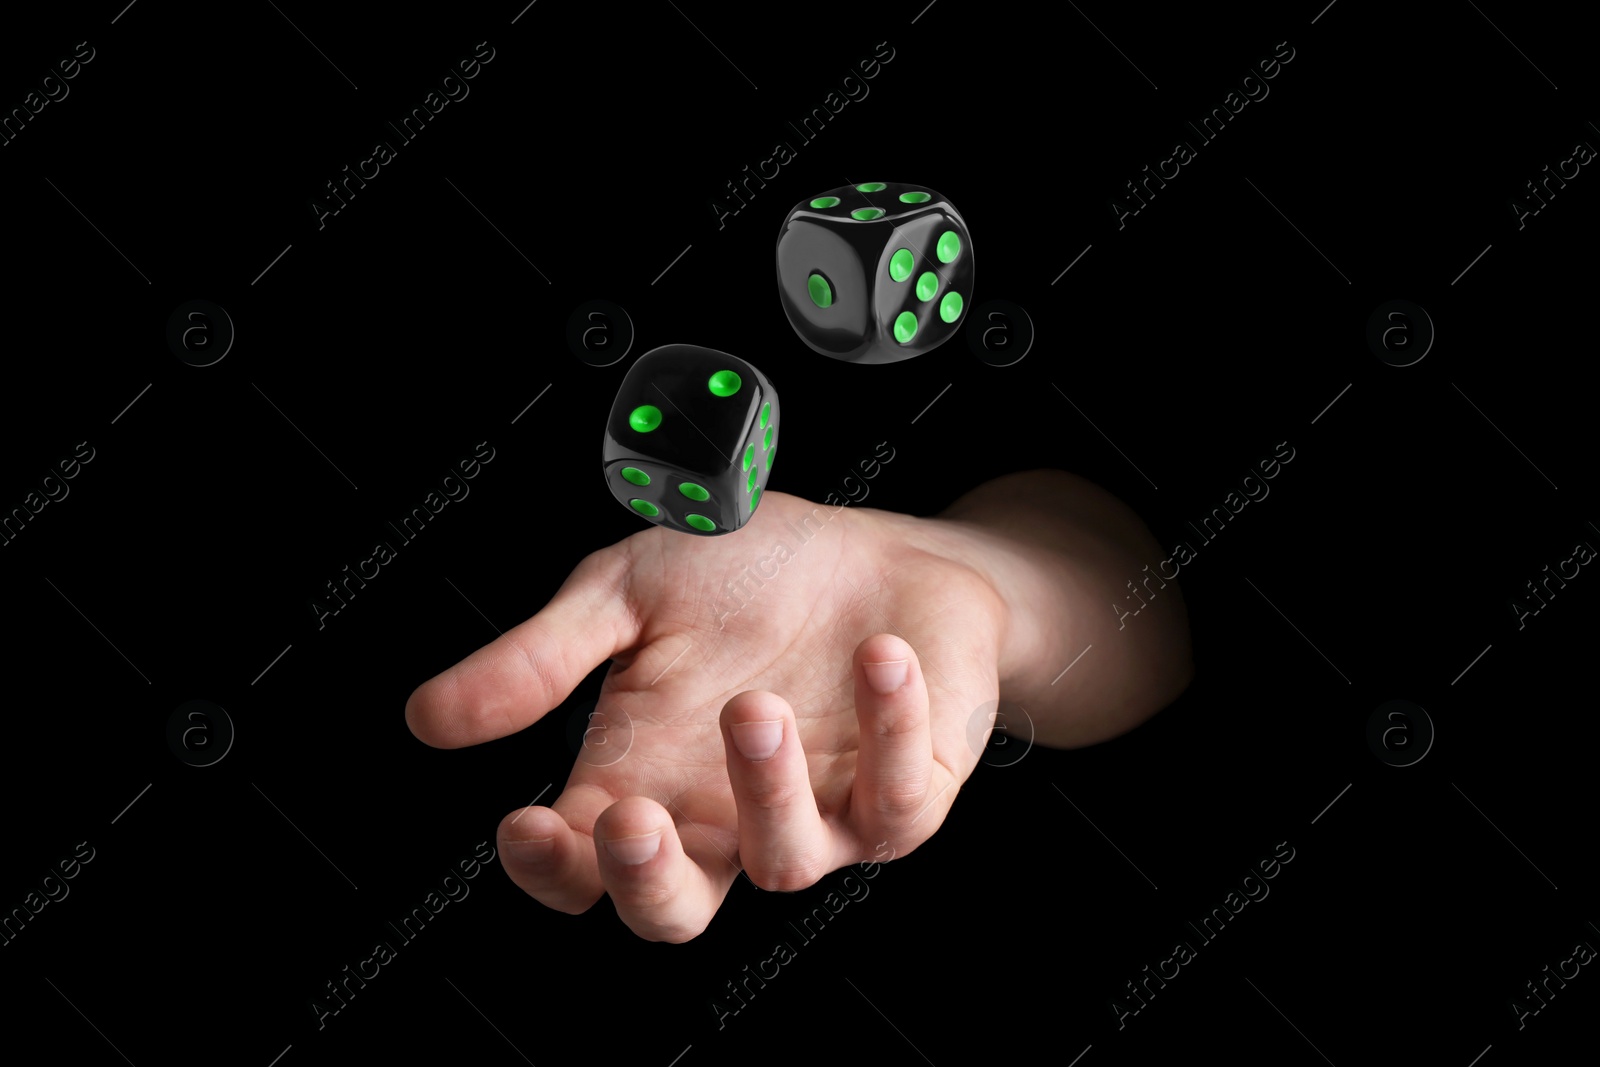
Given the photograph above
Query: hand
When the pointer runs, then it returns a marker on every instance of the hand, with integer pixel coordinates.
(755, 696)
(786, 733)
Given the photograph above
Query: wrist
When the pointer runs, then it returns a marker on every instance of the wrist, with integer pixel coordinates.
(1058, 551)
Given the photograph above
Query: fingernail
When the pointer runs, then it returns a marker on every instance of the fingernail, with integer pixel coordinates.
(758, 740)
(635, 850)
(886, 677)
(531, 850)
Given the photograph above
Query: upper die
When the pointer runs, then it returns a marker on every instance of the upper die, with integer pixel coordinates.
(690, 439)
(876, 272)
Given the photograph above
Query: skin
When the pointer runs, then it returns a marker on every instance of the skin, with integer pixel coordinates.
(989, 601)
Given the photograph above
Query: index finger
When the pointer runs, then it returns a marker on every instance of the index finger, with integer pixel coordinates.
(513, 681)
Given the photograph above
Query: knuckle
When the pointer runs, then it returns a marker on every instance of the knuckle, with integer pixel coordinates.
(770, 795)
(787, 874)
(540, 667)
(900, 801)
(673, 931)
(907, 817)
(899, 721)
(652, 901)
(899, 846)
(558, 898)
(565, 905)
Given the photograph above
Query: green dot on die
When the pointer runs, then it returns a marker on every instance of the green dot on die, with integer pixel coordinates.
(824, 201)
(700, 522)
(866, 214)
(770, 454)
(905, 327)
(949, 246)
(749, 456)
(871, 187)
(694, 492)
(636, 476)
(821, 292)
(767, 442)
(766, 409)
(901, 264)
(644, 507)
(645, 418)
(755, 498)
(950, 307)
(927, 285)
(915, 198)
(750, 482)
(724, 383)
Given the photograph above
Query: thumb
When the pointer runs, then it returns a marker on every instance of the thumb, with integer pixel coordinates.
(515, 680)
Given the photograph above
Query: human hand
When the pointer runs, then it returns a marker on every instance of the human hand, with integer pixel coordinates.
(755, 732)
(786, 738)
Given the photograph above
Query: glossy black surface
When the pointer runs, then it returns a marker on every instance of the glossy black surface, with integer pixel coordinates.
(702, 437)
(853, 255)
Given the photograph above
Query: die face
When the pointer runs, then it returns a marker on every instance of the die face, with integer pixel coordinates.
(811, 248)
(892, 285)
(690, 439)
(921, 285)
(670, 389)
(680, 500)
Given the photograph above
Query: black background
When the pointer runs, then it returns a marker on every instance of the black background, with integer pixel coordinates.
(412, 326)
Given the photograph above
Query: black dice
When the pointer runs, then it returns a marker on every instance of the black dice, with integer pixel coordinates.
(690, 440)
(875, 273)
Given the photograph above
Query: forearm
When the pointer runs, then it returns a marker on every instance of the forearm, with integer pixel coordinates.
(1062, 553)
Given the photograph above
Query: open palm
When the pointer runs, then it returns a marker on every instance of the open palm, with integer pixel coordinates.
(784, 701)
